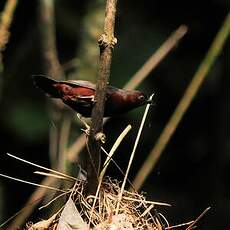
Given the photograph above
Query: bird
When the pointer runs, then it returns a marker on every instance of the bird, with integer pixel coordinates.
(80, 96)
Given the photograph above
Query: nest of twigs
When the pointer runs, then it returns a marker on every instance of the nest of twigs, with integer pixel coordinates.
(134, 212)
(105, 211)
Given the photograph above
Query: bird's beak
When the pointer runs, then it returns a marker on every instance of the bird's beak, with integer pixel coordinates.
(150, 100)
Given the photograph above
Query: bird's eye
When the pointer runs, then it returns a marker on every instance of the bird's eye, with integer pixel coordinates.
(142, 97)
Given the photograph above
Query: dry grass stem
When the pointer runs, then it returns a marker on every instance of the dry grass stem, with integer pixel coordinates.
(113, 149)
(41, 167)
(147, 201)
(133, 153)
(197, 219)
(52, 175)
(179, 225)
(31, 183)
(54, 199)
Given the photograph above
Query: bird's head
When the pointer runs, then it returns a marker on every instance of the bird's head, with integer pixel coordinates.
(138, 98)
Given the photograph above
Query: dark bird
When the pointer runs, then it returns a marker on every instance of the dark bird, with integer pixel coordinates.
(79, 95)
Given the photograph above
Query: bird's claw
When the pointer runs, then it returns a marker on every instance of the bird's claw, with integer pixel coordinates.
(100, 136)
(86, 131)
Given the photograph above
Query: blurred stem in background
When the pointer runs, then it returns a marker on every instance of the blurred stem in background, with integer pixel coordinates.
(48, 36)
(183, 105)
(61, 119)
(88, 51)
(6, 18)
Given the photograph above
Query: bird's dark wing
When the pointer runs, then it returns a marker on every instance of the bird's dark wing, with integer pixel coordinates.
(87, 84)
(46, 84)
(81, 83)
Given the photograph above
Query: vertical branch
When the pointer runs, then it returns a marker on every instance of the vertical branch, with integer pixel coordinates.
(106, 44)
(47, 20)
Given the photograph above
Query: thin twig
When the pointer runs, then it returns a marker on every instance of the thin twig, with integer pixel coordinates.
(106, 44)
(54, 199)
(197, 219)
(184, 103)
(113, 149)
(132, 154)
(31, 183)
(51, 175)
(148, 202)
(41, 167)
(179, 225)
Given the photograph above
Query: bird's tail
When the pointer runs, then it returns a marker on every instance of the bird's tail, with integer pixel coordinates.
(46, 84)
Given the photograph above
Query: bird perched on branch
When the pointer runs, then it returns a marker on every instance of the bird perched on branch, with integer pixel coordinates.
(80, 96)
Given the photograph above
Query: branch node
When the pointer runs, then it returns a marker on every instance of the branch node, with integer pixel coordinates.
(105, 41)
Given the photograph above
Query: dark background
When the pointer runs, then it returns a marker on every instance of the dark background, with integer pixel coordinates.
(193, 172)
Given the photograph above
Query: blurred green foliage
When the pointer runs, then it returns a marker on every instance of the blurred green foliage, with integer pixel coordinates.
(27, 121)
